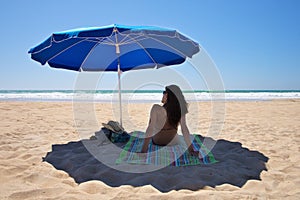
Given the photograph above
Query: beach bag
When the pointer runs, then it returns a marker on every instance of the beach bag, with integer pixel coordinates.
(113, 126)
(115, 132)
(119, 138)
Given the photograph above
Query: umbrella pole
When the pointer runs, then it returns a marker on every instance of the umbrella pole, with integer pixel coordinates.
(120, 99)
(119, 72)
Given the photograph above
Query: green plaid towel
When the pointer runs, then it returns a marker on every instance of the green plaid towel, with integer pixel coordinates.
(176, 155)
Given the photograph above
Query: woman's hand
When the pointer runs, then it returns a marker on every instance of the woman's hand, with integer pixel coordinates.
(192, 151)
(144, 149)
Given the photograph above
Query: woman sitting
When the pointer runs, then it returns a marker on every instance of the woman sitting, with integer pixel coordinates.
(164, 121)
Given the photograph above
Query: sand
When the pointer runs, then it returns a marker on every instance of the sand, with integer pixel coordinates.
(258, 152)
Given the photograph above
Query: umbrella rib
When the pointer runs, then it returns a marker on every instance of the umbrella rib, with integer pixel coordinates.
(176, 35)
(124, 41)
(86, 39)
(108, 40)
(131, 40)
(104, 41)
(138, 44)
(135, 38)
(50, 45)
(144, 50)
(121, 42)
(168, 45)
(47, 47)
(100, 40)
(65, 49)
(88, 55)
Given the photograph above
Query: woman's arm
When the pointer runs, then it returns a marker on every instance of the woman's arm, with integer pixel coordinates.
(150, 129)
(186, 135)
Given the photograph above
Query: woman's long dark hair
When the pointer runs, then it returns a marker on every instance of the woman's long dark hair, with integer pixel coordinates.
(175, 106)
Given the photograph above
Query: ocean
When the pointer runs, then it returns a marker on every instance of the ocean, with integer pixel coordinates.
(144, 96)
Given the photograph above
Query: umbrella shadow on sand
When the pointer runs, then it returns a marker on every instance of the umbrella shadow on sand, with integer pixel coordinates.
(236, 165)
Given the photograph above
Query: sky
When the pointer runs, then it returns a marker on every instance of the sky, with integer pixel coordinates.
(255, 44)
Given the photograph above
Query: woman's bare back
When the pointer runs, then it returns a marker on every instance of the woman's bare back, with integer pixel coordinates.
(164, 133)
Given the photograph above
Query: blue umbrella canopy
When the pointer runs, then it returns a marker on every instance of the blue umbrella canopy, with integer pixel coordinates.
(103, 48)
(114, 48)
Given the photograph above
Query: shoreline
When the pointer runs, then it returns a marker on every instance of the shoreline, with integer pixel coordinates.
(144, 96)
(141, 101)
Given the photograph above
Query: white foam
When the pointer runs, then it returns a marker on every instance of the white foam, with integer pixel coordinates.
(144, 97)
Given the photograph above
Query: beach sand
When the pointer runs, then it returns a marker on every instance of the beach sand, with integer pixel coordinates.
(268, 130)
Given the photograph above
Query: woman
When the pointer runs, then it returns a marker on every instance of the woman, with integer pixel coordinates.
(164, 120)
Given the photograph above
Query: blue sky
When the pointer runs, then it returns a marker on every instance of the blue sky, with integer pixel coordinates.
(254, 43)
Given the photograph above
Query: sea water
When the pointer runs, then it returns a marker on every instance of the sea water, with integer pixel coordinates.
(142, 96)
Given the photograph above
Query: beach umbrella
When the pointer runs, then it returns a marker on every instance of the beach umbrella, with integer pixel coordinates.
(114, 48)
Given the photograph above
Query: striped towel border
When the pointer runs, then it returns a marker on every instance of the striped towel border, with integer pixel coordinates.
(176, 155)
